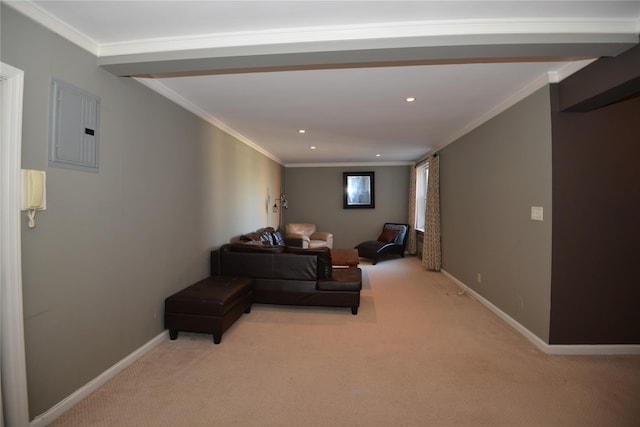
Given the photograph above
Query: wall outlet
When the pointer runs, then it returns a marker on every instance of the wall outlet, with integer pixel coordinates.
(478, 277)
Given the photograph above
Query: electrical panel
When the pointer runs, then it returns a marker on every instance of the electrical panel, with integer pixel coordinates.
(73, 133)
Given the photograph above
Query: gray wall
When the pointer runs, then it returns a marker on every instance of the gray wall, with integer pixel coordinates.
(112, 245)
(489, 180)
(315, 195)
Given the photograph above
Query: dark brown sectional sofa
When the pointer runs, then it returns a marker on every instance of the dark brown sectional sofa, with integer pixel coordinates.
(290, 276)
(254, 270)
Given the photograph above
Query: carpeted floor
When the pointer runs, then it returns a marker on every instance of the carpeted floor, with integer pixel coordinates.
(417, 354)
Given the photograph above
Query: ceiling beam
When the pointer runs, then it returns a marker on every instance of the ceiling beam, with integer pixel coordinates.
(604, 82)
(364, 53)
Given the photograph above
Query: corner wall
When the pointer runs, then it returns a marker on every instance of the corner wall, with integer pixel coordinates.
(489, 180)
(315, 195)
(596, 196)
(112, 245)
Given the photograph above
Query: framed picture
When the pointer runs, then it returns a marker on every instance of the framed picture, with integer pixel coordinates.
(359, 190)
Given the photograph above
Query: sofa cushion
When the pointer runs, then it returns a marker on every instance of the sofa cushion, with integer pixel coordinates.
(401, 228)
(251, 237)
(255, 247)
(284, 266)
(388, 235)
(324, 259)
(262, 235)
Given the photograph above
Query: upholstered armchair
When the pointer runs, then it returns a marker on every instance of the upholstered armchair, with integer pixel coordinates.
(304, 235)
(391, 241)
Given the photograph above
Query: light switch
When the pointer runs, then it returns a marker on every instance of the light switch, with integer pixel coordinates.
(536, 213)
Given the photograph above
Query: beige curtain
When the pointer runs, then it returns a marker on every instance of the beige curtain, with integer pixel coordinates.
(431, 255)
(411, 243)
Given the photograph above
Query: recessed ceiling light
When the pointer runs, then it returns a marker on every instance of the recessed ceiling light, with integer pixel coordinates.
(302, 131)
(378, 155)
(313, 147)
(410, 99)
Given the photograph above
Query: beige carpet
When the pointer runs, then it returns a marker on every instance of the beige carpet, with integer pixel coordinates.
(417, 354)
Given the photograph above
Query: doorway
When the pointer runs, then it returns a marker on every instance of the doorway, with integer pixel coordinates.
(14, 408)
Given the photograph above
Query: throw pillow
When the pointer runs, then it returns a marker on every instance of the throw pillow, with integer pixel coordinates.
(388, 235)
(277, 237)
(250, 237)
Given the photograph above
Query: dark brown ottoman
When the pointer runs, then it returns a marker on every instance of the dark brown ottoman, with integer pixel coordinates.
(209, 306)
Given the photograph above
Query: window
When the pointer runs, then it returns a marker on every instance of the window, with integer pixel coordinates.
(422, 177)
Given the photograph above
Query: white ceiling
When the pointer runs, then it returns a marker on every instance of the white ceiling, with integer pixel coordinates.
(262, 70)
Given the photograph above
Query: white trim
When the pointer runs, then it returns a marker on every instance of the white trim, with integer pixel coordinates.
(56, 411)
(163, 90)
(577, 349)
(569, 69)
(52, 23)
(392, 30)
(362, 32)
(596, 30)
(12, 355)
(347, 164)
(189, 106)
(522, 93)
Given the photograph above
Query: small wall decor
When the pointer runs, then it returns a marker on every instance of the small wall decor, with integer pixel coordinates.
(359, 190)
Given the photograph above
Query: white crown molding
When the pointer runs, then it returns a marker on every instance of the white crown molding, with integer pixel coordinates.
(395, 30)
(44, 18)
(539, 83)
(346, 164)
(521, 94)
(390, 31)
(569, 69)
(578, 349)
(163, 90)
(189, 106)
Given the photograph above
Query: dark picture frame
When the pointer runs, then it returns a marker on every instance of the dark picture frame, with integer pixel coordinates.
(358, 190)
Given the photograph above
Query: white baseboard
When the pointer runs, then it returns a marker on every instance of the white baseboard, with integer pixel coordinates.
(55, 412)
(605, 349)
(577, 349)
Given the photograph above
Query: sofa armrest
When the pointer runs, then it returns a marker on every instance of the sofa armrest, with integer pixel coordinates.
(325, 236)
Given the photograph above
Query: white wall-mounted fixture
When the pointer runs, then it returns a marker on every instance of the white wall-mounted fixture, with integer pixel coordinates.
(74, 128)
(284, 204)
(536, 213)
(34, 193)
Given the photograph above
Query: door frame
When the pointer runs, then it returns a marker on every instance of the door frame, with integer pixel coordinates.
(14, 407)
